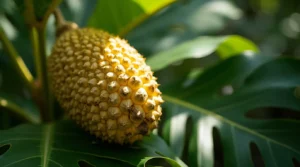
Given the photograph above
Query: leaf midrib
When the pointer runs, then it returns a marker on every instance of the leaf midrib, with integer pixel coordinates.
(47, 144)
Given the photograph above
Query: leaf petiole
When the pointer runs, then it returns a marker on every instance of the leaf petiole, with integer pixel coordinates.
(42, 92)
(18, 111)
(17, 60)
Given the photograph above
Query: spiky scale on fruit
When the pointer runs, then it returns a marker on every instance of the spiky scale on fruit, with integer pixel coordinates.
(104, 85)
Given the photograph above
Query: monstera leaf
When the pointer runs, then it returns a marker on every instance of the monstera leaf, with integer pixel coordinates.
(254, 123)
(64, 144)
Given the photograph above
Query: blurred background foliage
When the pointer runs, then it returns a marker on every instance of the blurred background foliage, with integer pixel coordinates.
(209, 70)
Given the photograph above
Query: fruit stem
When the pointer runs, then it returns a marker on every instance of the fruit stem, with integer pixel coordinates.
(17, 60)
(42, 94)
(59, 18)
(18, 111)
(61, 24)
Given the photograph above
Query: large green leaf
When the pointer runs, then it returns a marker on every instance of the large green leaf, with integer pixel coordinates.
(233, 144)
(64, 144)
(200, 47)
(182, 21)
(189, 79)
(256, 124)
(118, 17)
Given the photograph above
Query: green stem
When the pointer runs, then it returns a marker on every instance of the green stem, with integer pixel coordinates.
(43, 88)
(17, 60)
(18, 111)
(45, 78)
(36, 52)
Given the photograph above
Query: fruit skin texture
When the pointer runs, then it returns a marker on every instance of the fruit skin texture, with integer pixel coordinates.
(104, 85)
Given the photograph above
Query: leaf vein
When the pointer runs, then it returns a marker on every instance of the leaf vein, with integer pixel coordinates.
(91, 154)
(24, 159)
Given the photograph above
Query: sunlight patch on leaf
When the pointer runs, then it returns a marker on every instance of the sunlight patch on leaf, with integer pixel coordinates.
(118, 17)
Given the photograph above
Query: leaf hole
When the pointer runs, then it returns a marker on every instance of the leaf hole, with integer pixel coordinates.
(273, 113)
(4, 148)
(187, 138)
(296, 163)
(256, 155)
(84, 163)
(218, 148)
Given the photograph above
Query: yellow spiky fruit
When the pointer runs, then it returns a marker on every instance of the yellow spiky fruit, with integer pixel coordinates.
(104, 85)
